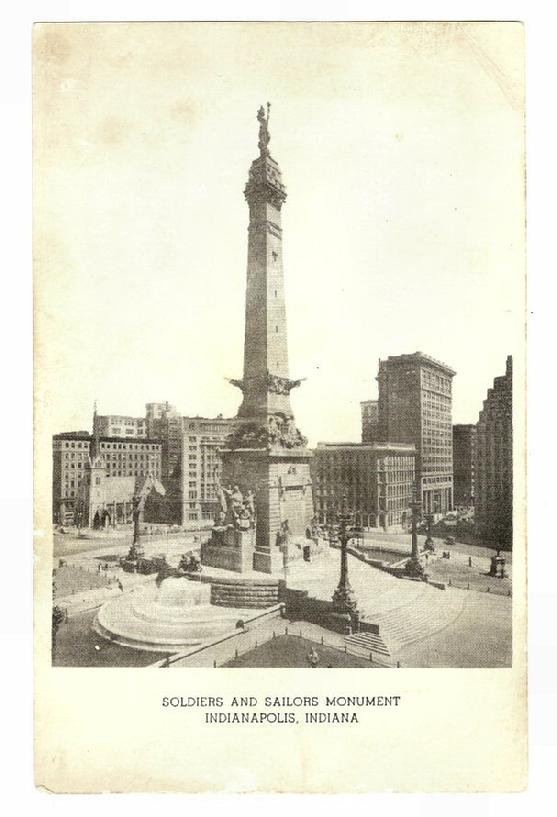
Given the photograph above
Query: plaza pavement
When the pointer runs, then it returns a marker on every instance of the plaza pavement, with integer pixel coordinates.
(479, 637)
(413, 613)
(119, 541)
(400, 542)
(420, 624)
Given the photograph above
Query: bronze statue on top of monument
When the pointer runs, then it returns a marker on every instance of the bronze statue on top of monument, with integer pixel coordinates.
(264, 135)
(265, 456)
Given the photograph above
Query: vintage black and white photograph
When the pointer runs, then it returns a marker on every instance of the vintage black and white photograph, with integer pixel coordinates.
(280, 300)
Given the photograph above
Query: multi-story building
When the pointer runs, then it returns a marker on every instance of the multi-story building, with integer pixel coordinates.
(201, 464)
(189, 459)
(494, 463)
(121, 458)
(154, 411)
(415, 405)
(115, 425)
(370, 420)
(464, 465)
(375, 480)
(70, 455)
(164, 423)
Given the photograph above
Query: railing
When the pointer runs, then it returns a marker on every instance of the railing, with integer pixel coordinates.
(491, 588)
(184, 654)
(298, 632)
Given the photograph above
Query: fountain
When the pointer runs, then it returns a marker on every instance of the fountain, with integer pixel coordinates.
(175, 615)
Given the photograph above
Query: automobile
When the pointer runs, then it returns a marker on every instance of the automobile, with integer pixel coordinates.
(450, 540)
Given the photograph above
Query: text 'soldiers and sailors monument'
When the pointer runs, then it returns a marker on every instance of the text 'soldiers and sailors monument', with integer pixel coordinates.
(267, 454)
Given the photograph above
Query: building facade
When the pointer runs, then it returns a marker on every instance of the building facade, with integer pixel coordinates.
(70, 455)
(370, 420)
(120, 461)
(464, 464)
(201, 465)
(494, 463)
(164, 423)
(375, 479)
(116, 425)
(415, 407)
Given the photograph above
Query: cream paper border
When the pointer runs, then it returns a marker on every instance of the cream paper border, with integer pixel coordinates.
(105, 729)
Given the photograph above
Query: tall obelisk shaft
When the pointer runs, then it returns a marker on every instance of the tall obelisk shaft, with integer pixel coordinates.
(266, 382)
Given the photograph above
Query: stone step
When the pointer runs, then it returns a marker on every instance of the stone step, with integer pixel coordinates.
(368, 641)
(413, 623)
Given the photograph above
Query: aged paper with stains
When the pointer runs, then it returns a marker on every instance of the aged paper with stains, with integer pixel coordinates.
(200, 549)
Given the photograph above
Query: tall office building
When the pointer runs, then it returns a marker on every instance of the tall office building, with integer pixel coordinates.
(201, 465)
(370, 420)
(164, 423)
(464, 464)
(494, 463)
(190, 460)
(415, 405)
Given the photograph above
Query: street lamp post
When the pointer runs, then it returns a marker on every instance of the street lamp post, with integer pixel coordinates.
(136, 550)
(429, 543)
(343, 597)
(413, 567)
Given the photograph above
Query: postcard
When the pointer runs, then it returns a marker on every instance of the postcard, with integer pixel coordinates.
(279, 407)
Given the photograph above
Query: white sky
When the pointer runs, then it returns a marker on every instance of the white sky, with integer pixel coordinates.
(401, 149)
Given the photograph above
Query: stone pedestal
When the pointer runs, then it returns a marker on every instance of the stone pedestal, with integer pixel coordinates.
(229, 549)
(281, 482)
(271, 562)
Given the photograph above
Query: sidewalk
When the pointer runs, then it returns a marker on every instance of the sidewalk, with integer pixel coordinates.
(257, 634)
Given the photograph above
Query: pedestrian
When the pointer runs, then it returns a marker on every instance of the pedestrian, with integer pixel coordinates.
(120, 585)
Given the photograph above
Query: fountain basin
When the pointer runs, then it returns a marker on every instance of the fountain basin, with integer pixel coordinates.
(176, 615)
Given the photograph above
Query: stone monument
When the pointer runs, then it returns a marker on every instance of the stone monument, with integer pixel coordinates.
(265, 458)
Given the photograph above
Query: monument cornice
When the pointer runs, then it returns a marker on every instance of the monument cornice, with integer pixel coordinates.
(263, 189)
(274, 383)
